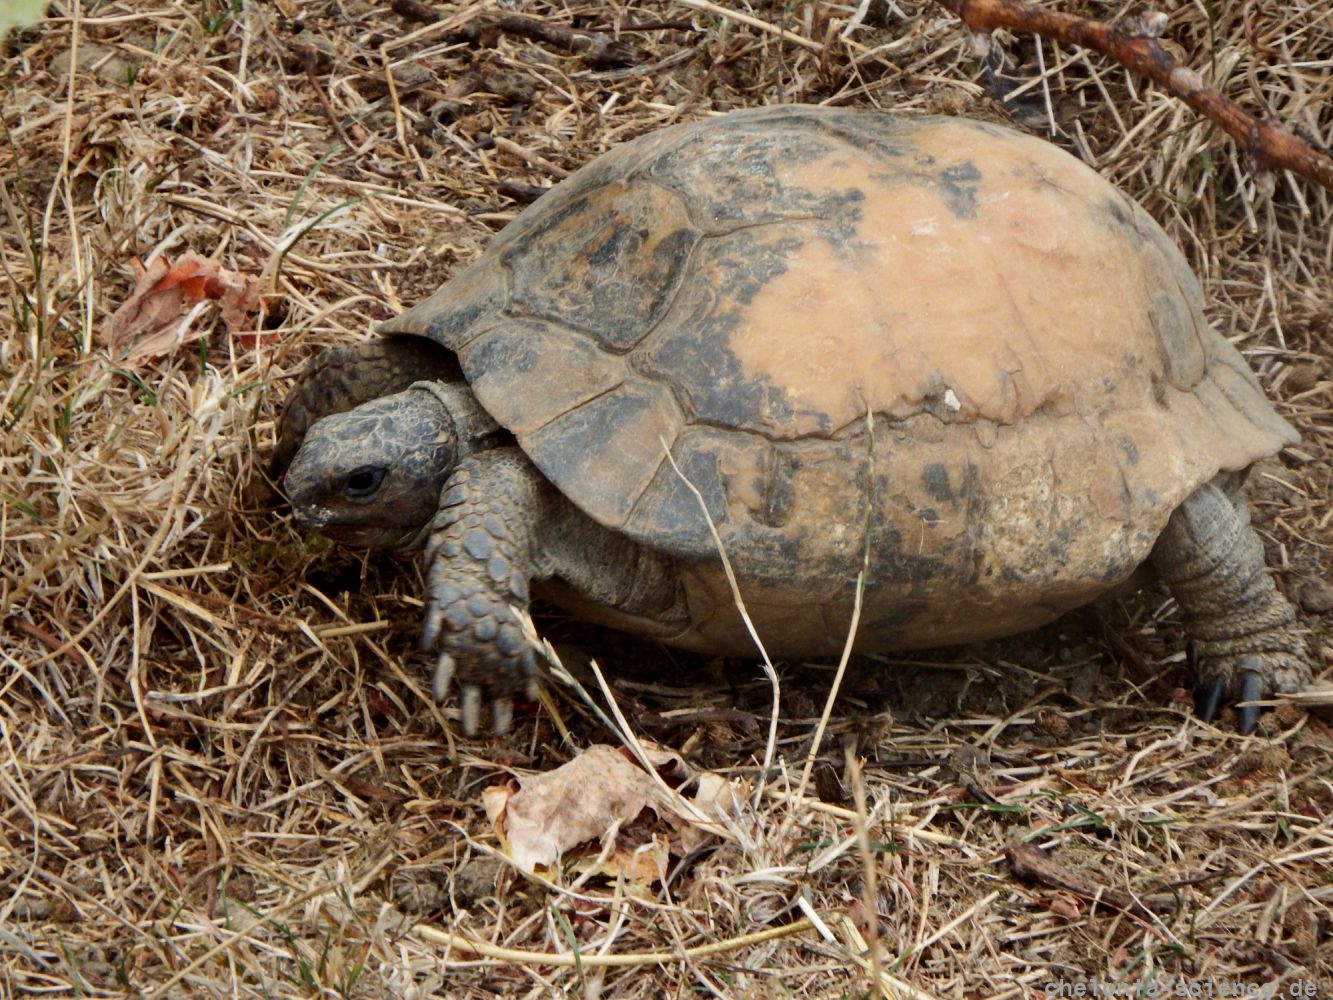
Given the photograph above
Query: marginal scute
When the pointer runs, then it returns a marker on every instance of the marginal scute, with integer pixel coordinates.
(457, 311)
(741, 478)
(571, 367)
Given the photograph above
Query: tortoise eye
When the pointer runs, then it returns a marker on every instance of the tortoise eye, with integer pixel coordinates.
(363, 482)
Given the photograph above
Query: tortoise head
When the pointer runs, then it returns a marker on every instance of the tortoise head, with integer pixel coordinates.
(372, 476)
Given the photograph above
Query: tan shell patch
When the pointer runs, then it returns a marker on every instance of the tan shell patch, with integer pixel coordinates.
(1016, 302)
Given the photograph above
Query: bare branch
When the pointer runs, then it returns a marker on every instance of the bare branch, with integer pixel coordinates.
(1133, 43)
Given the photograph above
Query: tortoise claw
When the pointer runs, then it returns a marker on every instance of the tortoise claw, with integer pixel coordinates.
(444, 676)
(1208, 697)
(1251, 689)
(502, 716)
(470, 702)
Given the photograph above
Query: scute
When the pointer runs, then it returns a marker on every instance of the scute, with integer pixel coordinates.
(955, 334)
(730, 180)
(609, 448)
(516, 352)
(608, 263)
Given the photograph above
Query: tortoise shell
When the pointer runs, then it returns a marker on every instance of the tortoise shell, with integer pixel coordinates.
(932, 343)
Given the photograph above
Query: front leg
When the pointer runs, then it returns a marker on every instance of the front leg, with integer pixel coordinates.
(502, 526)
(479, 559)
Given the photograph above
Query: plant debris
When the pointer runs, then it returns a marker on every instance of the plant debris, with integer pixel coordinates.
(153, 319)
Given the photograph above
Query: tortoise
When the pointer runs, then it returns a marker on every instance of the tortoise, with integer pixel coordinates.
(935, 346)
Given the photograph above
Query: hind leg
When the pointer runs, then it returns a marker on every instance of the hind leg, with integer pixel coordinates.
(1243, 630)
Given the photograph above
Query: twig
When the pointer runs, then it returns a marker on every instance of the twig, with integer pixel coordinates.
(1132, 42)
(462, 943)
(310, 63)
(1032, 864)
(598, 50)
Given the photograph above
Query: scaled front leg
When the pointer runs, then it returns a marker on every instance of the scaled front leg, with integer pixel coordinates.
(501, 527)
(479, 559)
(1243, 630)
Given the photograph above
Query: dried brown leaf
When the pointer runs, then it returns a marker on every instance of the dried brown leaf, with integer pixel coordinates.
(591, 798)
(149, 324)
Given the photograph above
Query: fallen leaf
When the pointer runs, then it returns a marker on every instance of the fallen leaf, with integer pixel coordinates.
(1063, 904)
(153, 320)
(588, 798)
(716, 798)
(591, 799)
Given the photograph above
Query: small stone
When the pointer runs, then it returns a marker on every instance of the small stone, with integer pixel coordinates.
(1051, 723)
(1315, 597)
(1303, 378)
(97, 60)
(476, 879)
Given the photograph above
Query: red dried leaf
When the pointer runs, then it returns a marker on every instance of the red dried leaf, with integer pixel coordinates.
(149, 321)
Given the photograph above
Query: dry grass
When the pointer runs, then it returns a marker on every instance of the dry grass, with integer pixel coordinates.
(219, 772)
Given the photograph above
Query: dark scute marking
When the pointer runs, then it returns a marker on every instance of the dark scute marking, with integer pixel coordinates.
(732, 178)
(1130, 449)
(893, 618)
(479, 604)
(776, 509)
(565, 198)
(1122, 220)
(894, 564)
(486, 629)
(766, 552)
(448, 324)
(1182, 353)
(960, 186)
(935, 478)
(498, 569)
(620, 242)
(692, 356)
(608, 264)
(880, 135)
(518, 355)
